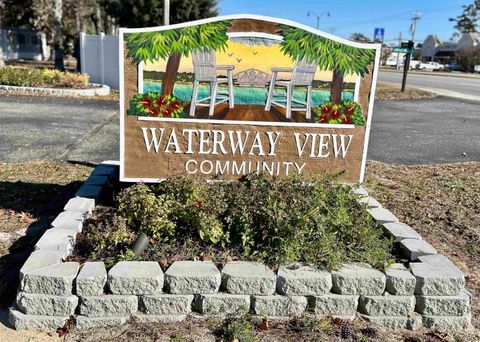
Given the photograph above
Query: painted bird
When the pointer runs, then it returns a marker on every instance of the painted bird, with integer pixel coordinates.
(239, 60)
(230, 54)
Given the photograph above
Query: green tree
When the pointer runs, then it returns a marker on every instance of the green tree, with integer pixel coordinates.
(467, 22)
(359, 37)
(330, 55)
(172, 44)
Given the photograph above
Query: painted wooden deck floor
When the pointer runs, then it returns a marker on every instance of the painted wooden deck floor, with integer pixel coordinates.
(248, 112)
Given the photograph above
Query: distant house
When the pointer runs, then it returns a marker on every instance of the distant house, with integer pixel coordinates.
(433, 49)
(20, 43)
(252, 78)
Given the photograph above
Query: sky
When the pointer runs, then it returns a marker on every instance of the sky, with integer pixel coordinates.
(351, 16)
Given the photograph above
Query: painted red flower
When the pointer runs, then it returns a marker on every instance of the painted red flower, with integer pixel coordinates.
(146, 102)
(323, 118)
(326, 109)
(335, 114)
(154, 112)
(348, 110)
(175, 105)
(161, 101)
(166, 112)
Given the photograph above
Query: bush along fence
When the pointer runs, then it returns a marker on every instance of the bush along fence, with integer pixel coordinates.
(430, 292)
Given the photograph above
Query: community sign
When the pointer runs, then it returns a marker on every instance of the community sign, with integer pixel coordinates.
(228, 96)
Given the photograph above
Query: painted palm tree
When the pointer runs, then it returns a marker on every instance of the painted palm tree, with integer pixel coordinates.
(339, 58)
(175, 43)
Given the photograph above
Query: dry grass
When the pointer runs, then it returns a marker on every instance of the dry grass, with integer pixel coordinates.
(390, 91)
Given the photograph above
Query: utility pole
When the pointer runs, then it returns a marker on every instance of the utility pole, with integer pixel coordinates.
(318, 16)
(398, 53)
(413, 27)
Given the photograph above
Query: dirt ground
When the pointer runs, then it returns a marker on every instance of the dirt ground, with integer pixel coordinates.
(442, 202)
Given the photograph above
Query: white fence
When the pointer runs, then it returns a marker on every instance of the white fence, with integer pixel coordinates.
(99, 58)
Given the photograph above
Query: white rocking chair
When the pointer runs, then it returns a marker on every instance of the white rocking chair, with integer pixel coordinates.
(303, 73)
(205, 70)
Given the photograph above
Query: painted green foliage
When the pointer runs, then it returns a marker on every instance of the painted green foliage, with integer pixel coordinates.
(329, 54)
(152, 46)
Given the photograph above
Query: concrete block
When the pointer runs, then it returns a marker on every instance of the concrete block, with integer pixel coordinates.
(20, 321)
(395, 322)
(432, 280)
(413, 248)
(222, 304)
(57, 240)
(81, 205)
(400, 231)
(90, 191)
(304, 280)
(92, 279)
(38, 260)
(108, 305)
(400, 281)
(279, 305)
(84, 322)
(386, 305)
(448, 323)
(382, 215)
(369, 201)
(458, 305)
(46, 305)
(135, 277)
(97, 180)
(240, 277)
(142, 318)
(359, 190)
(192, 277)
(72, 220)
(105, 170)
(438, 260)
(334, 304)
(54, 280)
(358, 279)
(166, 304)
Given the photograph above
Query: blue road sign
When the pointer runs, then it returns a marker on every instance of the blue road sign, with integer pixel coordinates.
(379, 34)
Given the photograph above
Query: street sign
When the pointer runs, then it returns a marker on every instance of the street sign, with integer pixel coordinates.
(378, 34)
(403, 50)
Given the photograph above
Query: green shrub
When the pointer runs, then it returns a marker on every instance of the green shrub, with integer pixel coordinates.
(22, 77)
(240, 329)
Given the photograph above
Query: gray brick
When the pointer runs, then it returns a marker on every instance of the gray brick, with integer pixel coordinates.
(92, 279)
(448, 323)
(438, 260)
(166, 304)
(72, 220)
(400, 281)
(400, 231)
(335, 304)
(38, 260)
(386, 305)
(359, 190)
(458, 305)
(303, 281)
(20, 321)
(108, 305)
(240, 277)
(192, 277)
(222, 304)
(135, 277)
(90, 191)
(413, 248)
(46, 305)
(382, 215)
(437, 280)
(57, 240)
(55, 280)
(369, 201)
(142, 318)
(81, 205)
(279, 305)
(395, 322)
(83, 322)
(358, 279)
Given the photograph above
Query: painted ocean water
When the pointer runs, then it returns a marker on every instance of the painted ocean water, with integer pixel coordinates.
(242, 95)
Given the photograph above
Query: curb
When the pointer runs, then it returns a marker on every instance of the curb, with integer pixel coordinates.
(102, 90)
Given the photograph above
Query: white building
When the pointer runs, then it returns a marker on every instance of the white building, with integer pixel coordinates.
(433, 49)
(19, 43)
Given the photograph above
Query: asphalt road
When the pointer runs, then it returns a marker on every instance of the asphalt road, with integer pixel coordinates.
(441, 130)
(455, 84)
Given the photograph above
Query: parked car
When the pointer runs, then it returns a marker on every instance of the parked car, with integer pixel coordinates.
(453, 67)
(414, 63)
(476, 69)
(430, 66)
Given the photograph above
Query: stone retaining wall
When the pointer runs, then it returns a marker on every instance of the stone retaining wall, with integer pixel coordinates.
(98, 90)
(430, 292)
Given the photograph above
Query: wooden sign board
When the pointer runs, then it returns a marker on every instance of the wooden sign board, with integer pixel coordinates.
(224, 97)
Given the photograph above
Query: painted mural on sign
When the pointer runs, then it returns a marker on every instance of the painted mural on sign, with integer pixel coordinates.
(243, 94)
